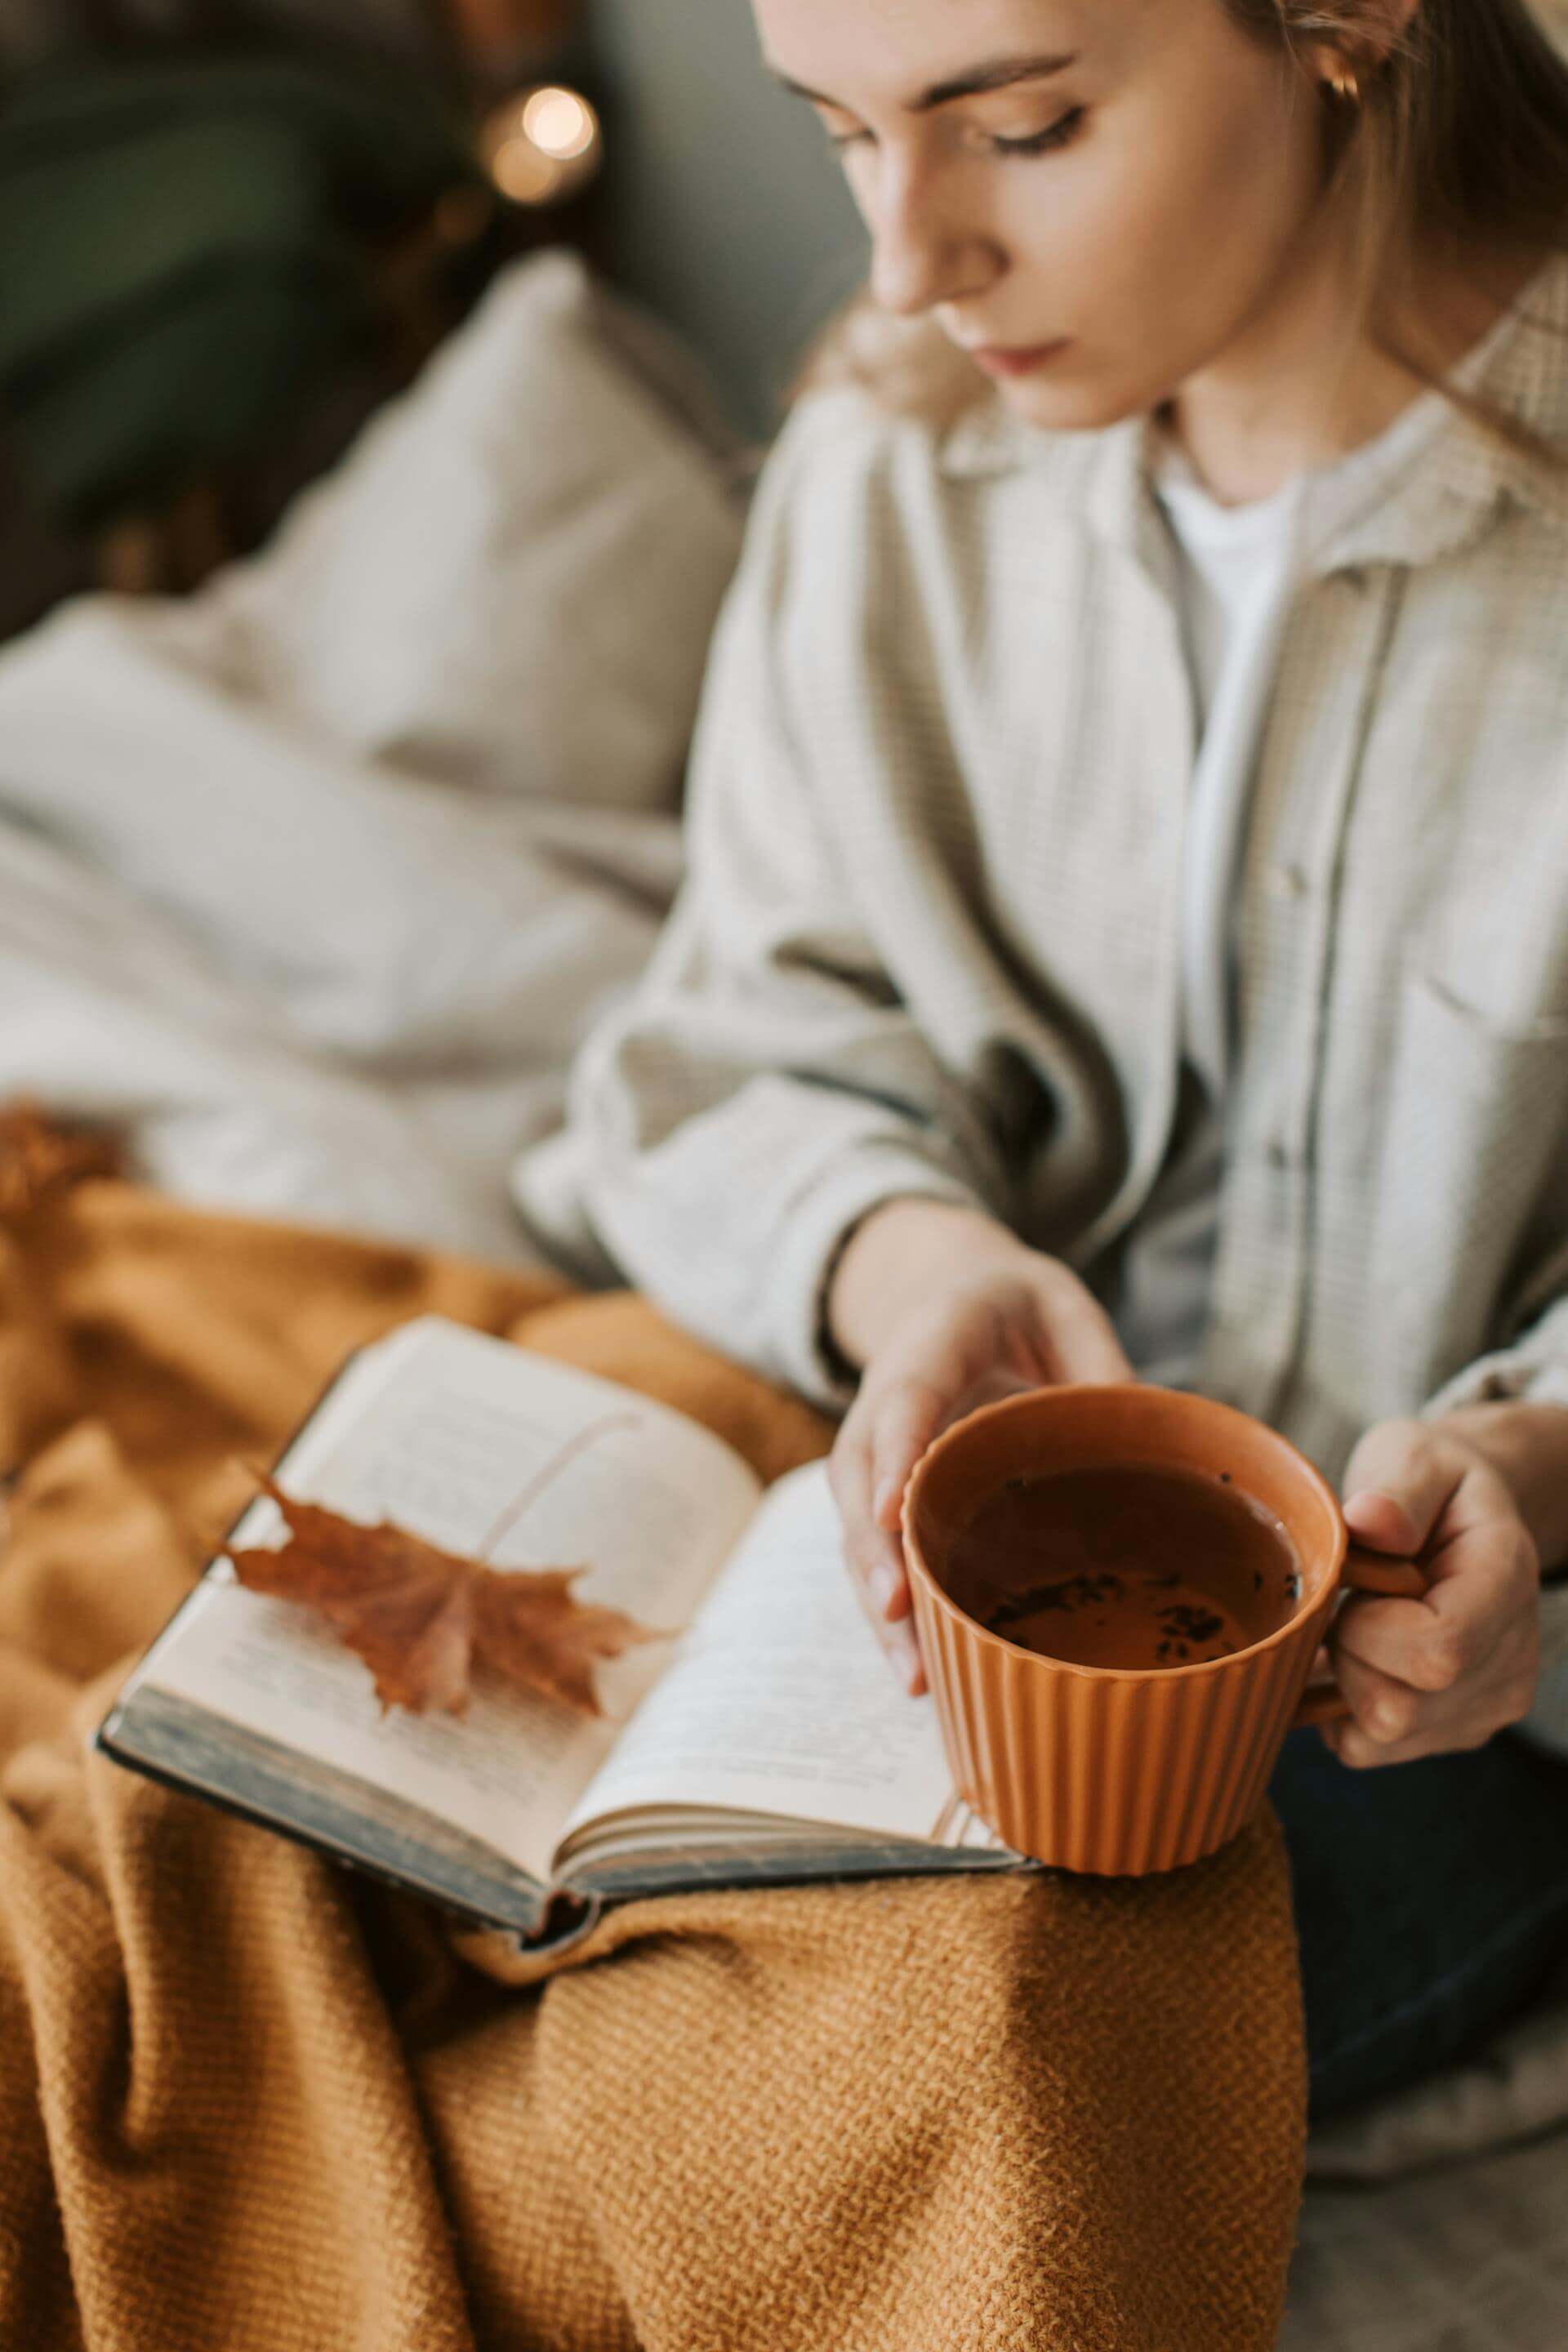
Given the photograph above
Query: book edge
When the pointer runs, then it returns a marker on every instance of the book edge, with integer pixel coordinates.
(105, 1743)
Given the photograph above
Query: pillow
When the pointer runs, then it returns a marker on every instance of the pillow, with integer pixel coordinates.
(509, 582)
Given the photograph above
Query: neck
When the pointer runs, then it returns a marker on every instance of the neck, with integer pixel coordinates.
(1303, 384)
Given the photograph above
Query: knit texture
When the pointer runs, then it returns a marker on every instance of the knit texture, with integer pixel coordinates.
(251, 2103)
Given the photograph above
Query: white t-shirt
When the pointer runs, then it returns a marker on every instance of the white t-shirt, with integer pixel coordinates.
(1239, 569)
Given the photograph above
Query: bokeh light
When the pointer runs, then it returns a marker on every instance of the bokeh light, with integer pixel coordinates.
(560, 123)
(541, 145)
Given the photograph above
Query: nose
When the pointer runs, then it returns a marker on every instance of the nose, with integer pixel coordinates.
(922, 256)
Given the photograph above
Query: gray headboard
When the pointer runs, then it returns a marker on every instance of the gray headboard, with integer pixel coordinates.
(728, 215)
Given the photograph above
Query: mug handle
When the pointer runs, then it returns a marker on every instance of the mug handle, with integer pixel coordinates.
(1364, 1571)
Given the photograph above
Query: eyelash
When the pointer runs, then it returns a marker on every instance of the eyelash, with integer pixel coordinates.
(1054, 134)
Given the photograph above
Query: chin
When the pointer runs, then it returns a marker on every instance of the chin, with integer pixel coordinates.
(1055, 404)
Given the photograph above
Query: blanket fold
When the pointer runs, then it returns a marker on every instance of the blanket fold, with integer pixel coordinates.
(249, 2100)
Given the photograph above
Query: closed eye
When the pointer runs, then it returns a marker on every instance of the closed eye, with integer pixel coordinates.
(1058, 133)
(1054, 134)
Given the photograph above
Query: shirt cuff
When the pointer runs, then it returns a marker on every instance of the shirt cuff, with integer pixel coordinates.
(814, 1241)
(1512, 1376)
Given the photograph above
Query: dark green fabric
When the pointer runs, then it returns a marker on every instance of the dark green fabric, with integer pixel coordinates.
(183, 252)
(198, 384)
(89, 242)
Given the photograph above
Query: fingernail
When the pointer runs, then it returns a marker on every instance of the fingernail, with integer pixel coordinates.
(1377, 1495)
(883, 1580)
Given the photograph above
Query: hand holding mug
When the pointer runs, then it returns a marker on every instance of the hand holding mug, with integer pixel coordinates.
(946, 1311)
(1425, 1676)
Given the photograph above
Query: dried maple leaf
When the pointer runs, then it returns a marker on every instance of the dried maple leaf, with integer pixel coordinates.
(40, 1155)
(422, 1619)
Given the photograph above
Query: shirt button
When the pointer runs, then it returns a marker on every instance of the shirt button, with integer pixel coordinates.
(1285, 882)
(1279, 1153)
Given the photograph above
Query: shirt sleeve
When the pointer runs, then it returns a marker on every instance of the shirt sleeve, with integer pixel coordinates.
(1533, 1371)
(766, 1086)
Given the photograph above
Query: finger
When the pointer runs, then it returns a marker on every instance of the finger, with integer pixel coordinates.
(1352, 1749)
(1359, 1753)
(1482, 1590)
(907, 1418)
(1385, 1711)
(872, 1561)
(897, 1641)
(1390, 1723)
(902, 1650)
(865, 1549)
(900, 1647)
(1075, 1334)
(1485, 1579)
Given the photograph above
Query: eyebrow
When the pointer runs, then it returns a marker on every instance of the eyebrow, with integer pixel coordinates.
(976, 81)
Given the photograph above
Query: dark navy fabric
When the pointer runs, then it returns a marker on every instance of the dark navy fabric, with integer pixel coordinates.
(1431, 1904)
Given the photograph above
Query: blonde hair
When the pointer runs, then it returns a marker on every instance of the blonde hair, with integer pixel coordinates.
(1456, 144)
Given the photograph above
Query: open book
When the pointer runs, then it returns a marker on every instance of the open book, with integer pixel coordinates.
(765, 1742)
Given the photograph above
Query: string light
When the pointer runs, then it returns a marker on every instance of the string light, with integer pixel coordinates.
(541, 145)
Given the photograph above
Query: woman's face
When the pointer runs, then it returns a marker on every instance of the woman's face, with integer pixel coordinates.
(1116, 192)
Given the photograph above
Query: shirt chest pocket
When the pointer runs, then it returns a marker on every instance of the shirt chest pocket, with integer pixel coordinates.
(1474, 1186)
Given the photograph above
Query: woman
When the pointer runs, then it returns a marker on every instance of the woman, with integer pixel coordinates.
(1127, 927)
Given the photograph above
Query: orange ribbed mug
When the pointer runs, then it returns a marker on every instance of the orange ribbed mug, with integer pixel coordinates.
(1112, 1769)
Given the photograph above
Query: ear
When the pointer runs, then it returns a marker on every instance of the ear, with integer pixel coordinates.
(1381, 31)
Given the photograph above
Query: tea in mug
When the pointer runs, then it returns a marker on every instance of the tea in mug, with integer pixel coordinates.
(1125, 1566)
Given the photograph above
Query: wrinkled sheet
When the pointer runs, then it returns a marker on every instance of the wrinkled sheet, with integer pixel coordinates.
(304, 987)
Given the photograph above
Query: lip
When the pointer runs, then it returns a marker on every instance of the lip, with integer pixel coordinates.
(998, 359)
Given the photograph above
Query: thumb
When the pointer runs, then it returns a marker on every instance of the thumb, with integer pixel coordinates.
(1396, 1486)
(1380, 1520)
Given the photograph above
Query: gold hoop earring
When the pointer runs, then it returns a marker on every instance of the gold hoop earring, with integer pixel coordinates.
(1344, 84)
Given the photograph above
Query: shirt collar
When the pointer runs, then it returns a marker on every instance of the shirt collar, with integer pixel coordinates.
(1450, 495)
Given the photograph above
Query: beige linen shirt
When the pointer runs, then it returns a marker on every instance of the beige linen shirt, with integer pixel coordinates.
(929, 937)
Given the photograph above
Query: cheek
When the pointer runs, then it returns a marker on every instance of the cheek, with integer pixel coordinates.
(1167, 241)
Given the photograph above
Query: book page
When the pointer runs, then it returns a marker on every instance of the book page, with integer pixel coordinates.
(780, 1700)
(492, 1453)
